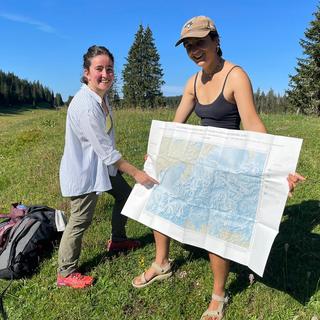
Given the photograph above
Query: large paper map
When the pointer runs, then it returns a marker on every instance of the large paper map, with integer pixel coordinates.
(221, 190)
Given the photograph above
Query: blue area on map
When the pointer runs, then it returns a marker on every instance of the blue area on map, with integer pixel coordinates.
(217, 193)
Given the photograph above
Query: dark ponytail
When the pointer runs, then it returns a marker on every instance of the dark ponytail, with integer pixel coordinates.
(214, 35)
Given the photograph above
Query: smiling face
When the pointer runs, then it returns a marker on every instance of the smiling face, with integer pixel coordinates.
(100, 74)
(203, 51)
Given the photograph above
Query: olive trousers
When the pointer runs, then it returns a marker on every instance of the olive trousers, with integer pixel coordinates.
(82, 210)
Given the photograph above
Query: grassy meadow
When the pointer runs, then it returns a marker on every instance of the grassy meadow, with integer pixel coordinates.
(31, 145)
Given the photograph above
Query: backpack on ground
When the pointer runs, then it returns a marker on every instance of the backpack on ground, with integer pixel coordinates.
(27, 235)
(30, 238)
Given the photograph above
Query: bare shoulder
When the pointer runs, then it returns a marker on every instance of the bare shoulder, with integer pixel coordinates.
(192, 79)
(237, 72)
(238, 78)
(189, 88)
(187, 102)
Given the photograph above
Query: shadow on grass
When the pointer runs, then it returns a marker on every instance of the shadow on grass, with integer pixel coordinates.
(294, 261)
(104, 256)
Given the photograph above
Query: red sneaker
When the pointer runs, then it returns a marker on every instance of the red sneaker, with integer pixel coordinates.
(124, 245)
(74, 280)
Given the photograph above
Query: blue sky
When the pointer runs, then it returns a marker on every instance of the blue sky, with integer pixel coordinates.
(45, 39)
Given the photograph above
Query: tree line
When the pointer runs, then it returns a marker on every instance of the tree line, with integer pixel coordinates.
(16, 92)
(142, 78)
(269, 102)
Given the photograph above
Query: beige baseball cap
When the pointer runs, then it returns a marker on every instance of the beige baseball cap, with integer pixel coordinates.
(196, 27)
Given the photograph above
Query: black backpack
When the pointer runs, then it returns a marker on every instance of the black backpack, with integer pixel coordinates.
(26, 238)
(32, 236)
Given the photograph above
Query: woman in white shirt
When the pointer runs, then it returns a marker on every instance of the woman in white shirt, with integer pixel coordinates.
(91, 164)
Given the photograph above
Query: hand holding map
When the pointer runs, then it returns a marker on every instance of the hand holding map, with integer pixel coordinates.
(222, 190)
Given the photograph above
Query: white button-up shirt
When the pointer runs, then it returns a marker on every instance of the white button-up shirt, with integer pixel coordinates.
(89, 152)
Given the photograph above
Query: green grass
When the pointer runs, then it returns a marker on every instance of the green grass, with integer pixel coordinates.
(31, 145)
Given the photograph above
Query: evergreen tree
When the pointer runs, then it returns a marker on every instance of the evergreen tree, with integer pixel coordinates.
(69, 100)
(15, 92)
(58, 102)
(52, 98)
(153, 72)
(113, 94)
(172, 101)
(131, 74)
(270, 102)
(142, 74)
(304, 94)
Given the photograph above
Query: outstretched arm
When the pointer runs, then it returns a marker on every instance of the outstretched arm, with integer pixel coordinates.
(139, 175)
(186, 104)
(243, 95)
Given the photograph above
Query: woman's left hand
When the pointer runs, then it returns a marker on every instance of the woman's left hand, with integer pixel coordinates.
(293, 180)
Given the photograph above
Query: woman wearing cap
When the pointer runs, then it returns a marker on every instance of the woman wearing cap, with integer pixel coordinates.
(221, 95)
(90, 165)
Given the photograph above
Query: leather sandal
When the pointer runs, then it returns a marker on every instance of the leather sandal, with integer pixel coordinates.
(218, 313)
(162, 274)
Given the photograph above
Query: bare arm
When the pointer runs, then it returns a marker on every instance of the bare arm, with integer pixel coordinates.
(243, 95)
(139, 175)
(186, 104)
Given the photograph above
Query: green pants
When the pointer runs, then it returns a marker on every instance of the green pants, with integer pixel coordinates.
(82, 210)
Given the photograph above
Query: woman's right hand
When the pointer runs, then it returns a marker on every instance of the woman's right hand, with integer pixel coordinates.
(144, 179)
(139, 175)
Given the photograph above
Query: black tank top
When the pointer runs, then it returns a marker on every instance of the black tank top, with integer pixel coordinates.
(220, 113)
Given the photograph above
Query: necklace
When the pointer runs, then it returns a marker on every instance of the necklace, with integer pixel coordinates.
(217, 68)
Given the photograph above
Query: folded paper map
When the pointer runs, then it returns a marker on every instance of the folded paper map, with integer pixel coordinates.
(222, 190)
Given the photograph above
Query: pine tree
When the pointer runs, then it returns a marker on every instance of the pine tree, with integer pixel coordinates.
(58, 102)
(153, 72)
(69, 100)
(113, 94)
(304, 94)
(142, 74)
(15, 92)
(132, 72)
